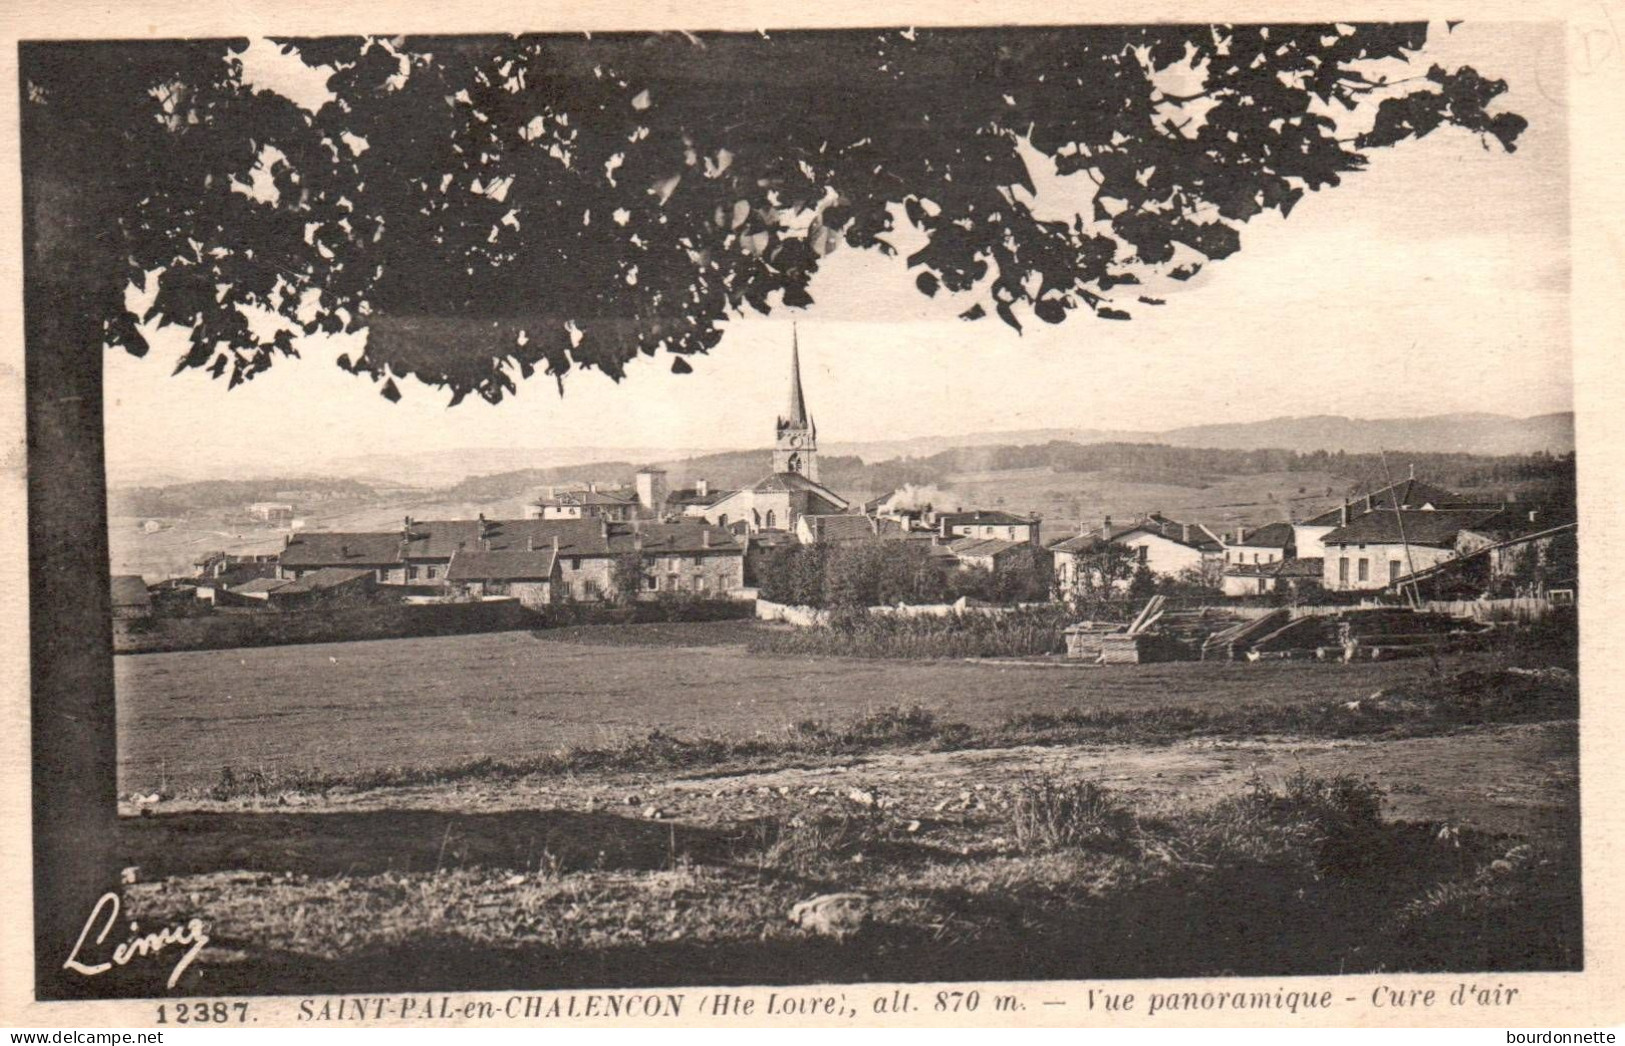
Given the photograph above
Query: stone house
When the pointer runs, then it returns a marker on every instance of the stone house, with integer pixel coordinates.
(1168, 547)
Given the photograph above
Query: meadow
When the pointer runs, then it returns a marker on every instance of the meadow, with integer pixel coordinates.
(512, 696)
(648, 804)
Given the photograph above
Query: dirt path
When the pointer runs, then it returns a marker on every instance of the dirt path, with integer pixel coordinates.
(1520, 780)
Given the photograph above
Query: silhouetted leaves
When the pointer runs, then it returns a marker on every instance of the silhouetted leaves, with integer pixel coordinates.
(485, 207)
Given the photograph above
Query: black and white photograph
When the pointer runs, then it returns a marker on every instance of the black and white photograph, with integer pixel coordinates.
(700, 523)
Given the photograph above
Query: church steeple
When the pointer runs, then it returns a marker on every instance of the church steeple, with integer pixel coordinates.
(796, 435)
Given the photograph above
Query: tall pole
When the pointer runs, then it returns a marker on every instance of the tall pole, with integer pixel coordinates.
(1411, 595)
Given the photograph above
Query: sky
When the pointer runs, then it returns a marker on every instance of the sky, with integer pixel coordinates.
(1434, 282)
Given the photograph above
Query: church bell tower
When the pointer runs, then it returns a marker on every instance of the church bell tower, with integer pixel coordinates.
(795, 446)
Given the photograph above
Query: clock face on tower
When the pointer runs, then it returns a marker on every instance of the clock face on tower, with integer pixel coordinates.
(796, 441)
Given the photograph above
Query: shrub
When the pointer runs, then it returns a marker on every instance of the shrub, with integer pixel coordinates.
(1023, 632)
(807, 841)
(1046, 814)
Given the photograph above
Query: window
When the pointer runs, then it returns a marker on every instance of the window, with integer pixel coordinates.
(575, 562)
(649, 582)
(722, 520)
(699, 561)
(1365, 569)
(1343, 570)
(1010, 533)
(1393, 570)
(1261, 586)
(772, 519)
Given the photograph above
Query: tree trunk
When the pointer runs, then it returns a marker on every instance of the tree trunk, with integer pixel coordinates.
(75, 811)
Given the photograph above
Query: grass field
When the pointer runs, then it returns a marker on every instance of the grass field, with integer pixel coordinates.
(658, 801)
(510, 696)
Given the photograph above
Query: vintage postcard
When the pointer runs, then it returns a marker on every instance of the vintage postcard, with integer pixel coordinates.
(876, 518)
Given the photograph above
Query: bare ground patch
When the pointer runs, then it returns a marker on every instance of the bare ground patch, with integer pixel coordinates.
(636, 878)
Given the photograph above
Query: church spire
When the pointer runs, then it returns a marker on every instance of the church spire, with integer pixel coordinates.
(797, 417)
(796, 437)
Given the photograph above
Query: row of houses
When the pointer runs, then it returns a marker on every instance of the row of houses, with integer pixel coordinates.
(1387, 538)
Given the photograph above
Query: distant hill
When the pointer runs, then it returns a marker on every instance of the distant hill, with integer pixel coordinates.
(509, 469)
(1492, 434)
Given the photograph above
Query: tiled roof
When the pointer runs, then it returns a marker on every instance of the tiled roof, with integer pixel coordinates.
(1406, 494)
(595, 497)
(325, 578)
(793, 482)
(1416, 527)
(1201, 537)
(690, 496)
(241, 574)
(1271, 535)
(842, 527)
(1295, 567)
(1078, 543)
(576, 537)
(332, 548)
(1300, 566)
(506, 565)
(983, 518)
(979, 547)
(129, 590)
(440, 539)
(259, 584)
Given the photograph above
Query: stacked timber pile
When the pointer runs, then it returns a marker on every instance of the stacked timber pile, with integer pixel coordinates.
(1187, 632)
(1234, 641)
(1365, 634)
(1084, 640)
(1382, 634)
(1305, 637)
(1216, 634)
(1156, 634)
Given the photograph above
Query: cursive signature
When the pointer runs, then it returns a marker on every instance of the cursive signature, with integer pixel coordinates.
(137, 944)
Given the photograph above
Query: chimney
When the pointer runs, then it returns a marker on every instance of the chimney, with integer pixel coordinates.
(555, 544)
(603, 527)
(1532, 514)
(702, 488)
(530, 543)
(287, 539)
(705, 535)
(1413, 470)
(1343, 514)
(1370, 503)
(1241, 535)
(637, 540)
(592, 487)
(1185, 533)
(1106, 529)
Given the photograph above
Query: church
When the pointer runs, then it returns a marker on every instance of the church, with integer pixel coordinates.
(777, 501)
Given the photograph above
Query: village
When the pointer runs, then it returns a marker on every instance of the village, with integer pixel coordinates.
(720, 552)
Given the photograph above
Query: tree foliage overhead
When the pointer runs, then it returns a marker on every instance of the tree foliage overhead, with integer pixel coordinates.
(484, 207)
